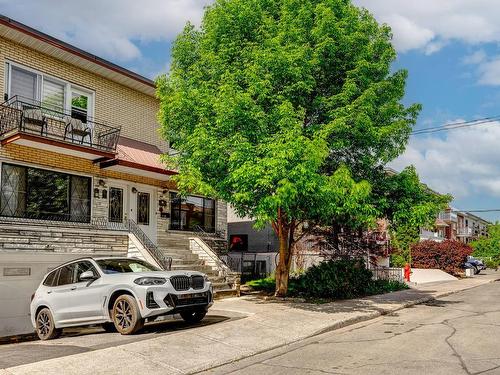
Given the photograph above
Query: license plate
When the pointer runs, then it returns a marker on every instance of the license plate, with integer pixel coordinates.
(191, 295)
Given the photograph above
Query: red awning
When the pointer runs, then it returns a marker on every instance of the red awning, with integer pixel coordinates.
(137, 155)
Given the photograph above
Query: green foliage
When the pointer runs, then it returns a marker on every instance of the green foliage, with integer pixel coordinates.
(274, 103)
(492, 263)
(488, 247)
(409, 205)
(268, 285)
(341, 279)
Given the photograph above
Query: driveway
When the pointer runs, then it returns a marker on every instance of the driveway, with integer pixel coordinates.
(81, 340)
(458, 334)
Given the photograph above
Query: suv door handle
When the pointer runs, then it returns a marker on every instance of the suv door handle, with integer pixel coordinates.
(49, 291)
(73, 288)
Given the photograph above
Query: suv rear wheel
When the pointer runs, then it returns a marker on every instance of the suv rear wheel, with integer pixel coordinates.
(193, 316)
(126, 315)
(45, 326)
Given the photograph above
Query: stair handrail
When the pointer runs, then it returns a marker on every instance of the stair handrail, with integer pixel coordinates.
(218, 261)
(158, 255)
(218, 234)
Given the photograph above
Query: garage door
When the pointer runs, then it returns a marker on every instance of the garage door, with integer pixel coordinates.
(20, 275)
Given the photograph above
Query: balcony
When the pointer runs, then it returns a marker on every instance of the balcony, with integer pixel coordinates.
(430, 235)
(448, 216)
(464, 231)
(31, 123)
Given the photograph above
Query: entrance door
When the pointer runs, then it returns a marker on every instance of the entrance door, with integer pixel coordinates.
(142, 210)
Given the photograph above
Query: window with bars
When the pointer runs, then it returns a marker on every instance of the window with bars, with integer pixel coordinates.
(33, 193)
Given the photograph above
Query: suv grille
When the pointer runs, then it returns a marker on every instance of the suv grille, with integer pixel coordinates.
(197, 282)
(180, 282)
(186, 282)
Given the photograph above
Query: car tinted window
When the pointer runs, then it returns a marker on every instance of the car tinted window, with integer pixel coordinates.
(66, 274)
(51, 279)
(82, 267)
(109, 266)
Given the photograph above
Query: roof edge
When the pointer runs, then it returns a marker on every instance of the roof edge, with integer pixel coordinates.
(9, 22)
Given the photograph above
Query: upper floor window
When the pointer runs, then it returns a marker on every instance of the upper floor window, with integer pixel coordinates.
(55, 94)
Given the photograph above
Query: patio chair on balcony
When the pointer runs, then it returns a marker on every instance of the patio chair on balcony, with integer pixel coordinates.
(32, 119)
(77, 131)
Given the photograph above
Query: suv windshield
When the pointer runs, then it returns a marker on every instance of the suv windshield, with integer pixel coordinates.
(124, 265)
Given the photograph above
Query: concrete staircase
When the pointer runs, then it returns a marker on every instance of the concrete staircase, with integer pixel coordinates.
(185, 256)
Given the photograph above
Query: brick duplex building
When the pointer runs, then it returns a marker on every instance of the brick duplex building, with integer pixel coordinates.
(80, 172)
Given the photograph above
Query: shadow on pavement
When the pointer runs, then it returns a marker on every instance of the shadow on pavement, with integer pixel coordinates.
(382, 303)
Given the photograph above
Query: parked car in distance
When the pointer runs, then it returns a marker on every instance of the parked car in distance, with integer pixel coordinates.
(473, 263)
(119, 293)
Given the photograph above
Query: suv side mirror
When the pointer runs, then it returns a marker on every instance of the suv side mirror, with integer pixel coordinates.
(87, 275)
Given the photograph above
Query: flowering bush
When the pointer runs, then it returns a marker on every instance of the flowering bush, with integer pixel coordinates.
(448, 255)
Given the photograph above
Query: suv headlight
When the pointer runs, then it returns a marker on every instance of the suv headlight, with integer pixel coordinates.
(150, 281)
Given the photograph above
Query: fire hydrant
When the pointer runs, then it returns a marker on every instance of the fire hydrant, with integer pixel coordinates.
(407, 271)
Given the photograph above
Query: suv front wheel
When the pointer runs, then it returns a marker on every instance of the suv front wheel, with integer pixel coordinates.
(126, 315)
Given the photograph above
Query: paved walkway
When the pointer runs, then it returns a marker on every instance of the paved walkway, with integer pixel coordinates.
(260, 326)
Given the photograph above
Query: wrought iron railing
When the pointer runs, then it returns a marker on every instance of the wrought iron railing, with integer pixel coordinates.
(157, 254)
(387, 273)
(32, 117)
(202, 232)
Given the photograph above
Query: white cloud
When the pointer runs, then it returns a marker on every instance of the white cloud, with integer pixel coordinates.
(430, 24)
(110, 28)
(475, 58)
(461, 162)
(489, 72)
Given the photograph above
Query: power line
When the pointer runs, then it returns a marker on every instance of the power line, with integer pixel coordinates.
(457, 125)
(480, 210)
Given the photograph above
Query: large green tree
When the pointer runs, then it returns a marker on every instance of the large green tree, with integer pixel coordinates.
(409, 206)
(488, 247)
(275, 105)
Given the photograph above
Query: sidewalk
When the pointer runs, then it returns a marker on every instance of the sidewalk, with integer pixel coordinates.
(265, 325)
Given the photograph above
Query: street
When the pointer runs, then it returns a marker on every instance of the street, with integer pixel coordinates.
(458, 334)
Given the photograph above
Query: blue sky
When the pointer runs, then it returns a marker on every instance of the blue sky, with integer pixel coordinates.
(449, 47)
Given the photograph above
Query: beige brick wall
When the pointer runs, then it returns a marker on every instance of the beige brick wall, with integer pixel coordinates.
(114, 103)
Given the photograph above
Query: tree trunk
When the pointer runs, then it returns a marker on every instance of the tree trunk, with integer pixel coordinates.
(285, 234)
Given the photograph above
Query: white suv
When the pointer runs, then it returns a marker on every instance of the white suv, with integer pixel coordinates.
(119, 293)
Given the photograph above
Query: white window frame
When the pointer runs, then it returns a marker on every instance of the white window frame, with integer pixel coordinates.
(68, 87)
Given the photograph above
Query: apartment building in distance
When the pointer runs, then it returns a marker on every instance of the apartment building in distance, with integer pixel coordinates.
(453, 224)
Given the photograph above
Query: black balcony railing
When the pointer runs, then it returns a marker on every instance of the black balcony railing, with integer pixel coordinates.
(27, 116)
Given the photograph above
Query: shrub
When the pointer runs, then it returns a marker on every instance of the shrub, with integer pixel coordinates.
(447, 255)
(491, 263)
(339, 279)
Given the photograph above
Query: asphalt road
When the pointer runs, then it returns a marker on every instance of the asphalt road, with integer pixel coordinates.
(459, 334)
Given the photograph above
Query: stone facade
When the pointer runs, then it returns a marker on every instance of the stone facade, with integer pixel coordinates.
(36, 238)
